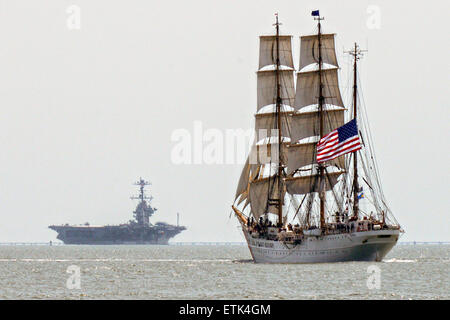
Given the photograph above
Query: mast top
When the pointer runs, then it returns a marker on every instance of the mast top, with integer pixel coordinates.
(356, 52)
(316, 15)
(277, 24)
(141, 183)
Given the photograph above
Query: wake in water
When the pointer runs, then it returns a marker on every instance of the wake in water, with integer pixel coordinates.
(116, 260)
(243, 261)
(399, 260)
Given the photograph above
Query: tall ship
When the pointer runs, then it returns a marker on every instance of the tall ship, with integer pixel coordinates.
(137, 231)
(310, 190)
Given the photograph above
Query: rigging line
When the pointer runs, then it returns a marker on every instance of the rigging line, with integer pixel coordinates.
(371, 143)
(314, 181)
(379, 191)
(309, 206)
(368, 184)
(284, 114)
(328, 116)
(373, 191)
(332, 190)
(326, 83)
(298, 209)
(285, 117)
(289, 206)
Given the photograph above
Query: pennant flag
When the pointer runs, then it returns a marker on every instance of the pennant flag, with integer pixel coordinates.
(315, 13)
(343, 140)
(360, 193)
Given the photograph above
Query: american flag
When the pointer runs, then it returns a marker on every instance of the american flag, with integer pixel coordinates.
(343, 140)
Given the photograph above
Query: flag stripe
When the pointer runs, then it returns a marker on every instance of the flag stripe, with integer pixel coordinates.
(355, 148)
(340, 152)
(331, 141)
(335, 148)
(343, 140)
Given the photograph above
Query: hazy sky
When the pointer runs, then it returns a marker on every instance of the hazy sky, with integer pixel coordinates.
(86, 112)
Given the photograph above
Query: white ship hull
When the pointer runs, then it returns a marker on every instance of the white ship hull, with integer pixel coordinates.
(357, 246)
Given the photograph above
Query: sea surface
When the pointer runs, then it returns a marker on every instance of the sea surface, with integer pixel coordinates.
(214, 272)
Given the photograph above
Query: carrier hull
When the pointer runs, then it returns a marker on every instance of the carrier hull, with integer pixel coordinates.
(117, 235)
(358, 246)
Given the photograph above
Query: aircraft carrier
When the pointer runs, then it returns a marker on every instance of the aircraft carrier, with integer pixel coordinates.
(136, 231)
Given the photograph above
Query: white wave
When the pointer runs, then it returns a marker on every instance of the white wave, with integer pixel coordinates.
(399, 260)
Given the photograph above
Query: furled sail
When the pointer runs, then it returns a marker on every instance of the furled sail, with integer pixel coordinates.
(309, 50)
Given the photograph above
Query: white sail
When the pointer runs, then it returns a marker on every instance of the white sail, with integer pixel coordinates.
(309, 50)
(243, 179)
(268, 153)
(307, 90)
(268, 51)
(261, 190)
(299, 119)
(300, 155)
(304, 125)
(305, 122)
(266, 125)
(303, 154)
(309, 182)
(323, 197)
(255, 182)
(267, 88)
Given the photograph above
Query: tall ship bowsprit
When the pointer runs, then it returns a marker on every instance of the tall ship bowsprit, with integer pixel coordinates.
(137, 231)
(310, 189)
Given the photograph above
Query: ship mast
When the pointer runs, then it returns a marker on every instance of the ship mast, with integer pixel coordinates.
(321, 100)
(141, 214)
(356, 53)
(278, 111)
(141, 183)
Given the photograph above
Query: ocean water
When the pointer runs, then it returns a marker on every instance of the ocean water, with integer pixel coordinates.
(214, 272)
